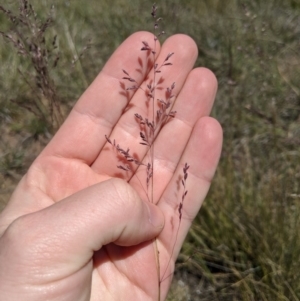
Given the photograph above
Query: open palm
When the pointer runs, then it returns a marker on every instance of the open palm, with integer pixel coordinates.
(79, 158)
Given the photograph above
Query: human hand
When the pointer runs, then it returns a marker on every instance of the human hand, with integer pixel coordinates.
(71, 230)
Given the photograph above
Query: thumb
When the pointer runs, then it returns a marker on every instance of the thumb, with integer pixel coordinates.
(64, 236)
(109, 212)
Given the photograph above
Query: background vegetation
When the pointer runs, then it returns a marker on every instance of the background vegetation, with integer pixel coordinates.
(245, 243)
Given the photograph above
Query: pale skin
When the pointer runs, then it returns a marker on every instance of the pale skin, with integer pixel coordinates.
(72, 230)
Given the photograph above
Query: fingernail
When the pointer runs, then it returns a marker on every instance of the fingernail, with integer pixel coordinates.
(156, 217)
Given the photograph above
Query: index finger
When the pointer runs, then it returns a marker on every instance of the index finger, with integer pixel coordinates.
(97, 111)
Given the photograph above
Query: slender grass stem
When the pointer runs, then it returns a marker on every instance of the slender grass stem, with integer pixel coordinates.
(152, 163)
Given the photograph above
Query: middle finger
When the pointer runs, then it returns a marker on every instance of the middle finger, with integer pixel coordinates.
(127, 131)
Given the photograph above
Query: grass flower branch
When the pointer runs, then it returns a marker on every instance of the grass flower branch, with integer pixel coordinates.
(159, 113)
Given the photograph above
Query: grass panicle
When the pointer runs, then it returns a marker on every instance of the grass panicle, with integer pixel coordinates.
(29, 37)
(150, 126)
